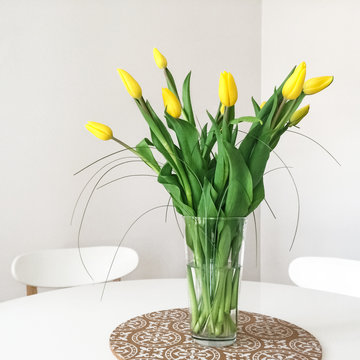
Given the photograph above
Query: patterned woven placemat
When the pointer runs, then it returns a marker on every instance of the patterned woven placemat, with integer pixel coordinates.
(166, 335)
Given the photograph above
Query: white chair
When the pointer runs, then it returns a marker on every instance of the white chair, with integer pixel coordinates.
(336, 275)
(63, 267)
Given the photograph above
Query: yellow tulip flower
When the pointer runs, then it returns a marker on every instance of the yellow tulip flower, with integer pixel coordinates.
(298, 115)
(314, 85)
(227, 89)
(262, 104)
(294, 84)
(171, 103)
(101, 131)
(222, 109)
(130, 83)
(160, 59)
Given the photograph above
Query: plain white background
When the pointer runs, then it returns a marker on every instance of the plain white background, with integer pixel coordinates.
(58, 63)
(325, 35)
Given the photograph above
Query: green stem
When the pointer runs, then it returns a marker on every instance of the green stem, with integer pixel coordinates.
(126, 146)
(235, 289)
(291, 109)
(192, 294)
(277, 114)
(179, 168)
(171, 82)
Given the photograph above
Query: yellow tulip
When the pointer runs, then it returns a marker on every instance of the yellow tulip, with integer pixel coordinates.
(101, 131)
(298, 115)
(262, 104)
(160, 59)
(171, 103)
(130, 83)
(222, 109)
(294, 84)
(227, 89)
(314, 85)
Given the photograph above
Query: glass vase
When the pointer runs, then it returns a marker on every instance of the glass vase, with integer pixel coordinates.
(215, 248)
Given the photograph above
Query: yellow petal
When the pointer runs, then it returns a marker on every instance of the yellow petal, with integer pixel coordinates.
(101, 131)
(314, 85)
(232, 89)
(171, 103)
(262, 104)
(227, 89)
(223, 91)
(222, 109)
(298, 115)
(160, 59)
(294, 84)
(130, 83)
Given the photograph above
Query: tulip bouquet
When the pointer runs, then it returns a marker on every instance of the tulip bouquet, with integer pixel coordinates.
(213, 179)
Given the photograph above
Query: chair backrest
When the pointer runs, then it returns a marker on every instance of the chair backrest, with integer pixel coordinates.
(63, 267)
(336, 275)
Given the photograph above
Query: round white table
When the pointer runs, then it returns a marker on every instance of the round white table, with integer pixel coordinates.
(74, 324)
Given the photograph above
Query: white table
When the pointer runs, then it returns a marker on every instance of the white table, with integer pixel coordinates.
(73, 324)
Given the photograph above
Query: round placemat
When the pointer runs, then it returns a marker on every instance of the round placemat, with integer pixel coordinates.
(166, 335)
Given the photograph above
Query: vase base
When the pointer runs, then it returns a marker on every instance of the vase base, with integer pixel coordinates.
(214, 342)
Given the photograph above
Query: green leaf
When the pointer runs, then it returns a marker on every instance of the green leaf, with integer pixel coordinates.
(164, 131)
(240, 188)
(258, 197)
(171, 82)
(258, 161)
(171, 183)
(269, 119)
(249, 141)
(250, 119)
(188, 139)
(207, 206)
(255, 106)
(187, 107)
(234, 134)
(146, 154)
(203, 137)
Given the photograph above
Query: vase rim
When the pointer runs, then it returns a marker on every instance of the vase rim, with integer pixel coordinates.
(215, 218)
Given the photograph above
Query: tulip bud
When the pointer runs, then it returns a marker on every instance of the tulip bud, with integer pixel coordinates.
(294, 84)
(171, 103)
(160, 59)
(227, 89)
(298, 115)
(314, 85)
(101, 131)
(262, 104)
(222, 109)
(130, 83)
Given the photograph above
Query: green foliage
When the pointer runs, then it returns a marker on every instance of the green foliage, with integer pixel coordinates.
(187, 108)
(207, 173)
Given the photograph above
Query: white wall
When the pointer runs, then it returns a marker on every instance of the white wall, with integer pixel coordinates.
(325, 35)
(58, 63)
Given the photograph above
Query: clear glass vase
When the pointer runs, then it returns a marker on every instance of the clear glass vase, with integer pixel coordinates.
(215, 249)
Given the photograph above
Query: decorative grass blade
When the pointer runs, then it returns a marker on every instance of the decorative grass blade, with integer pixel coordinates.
(296, 190)
(123, 238)
(177, 222)
(317, 143)
(96, 161)
(125, 177)
(167, 209)
(86, 207)
(88, 182)
(106, 156)
(269, 207)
